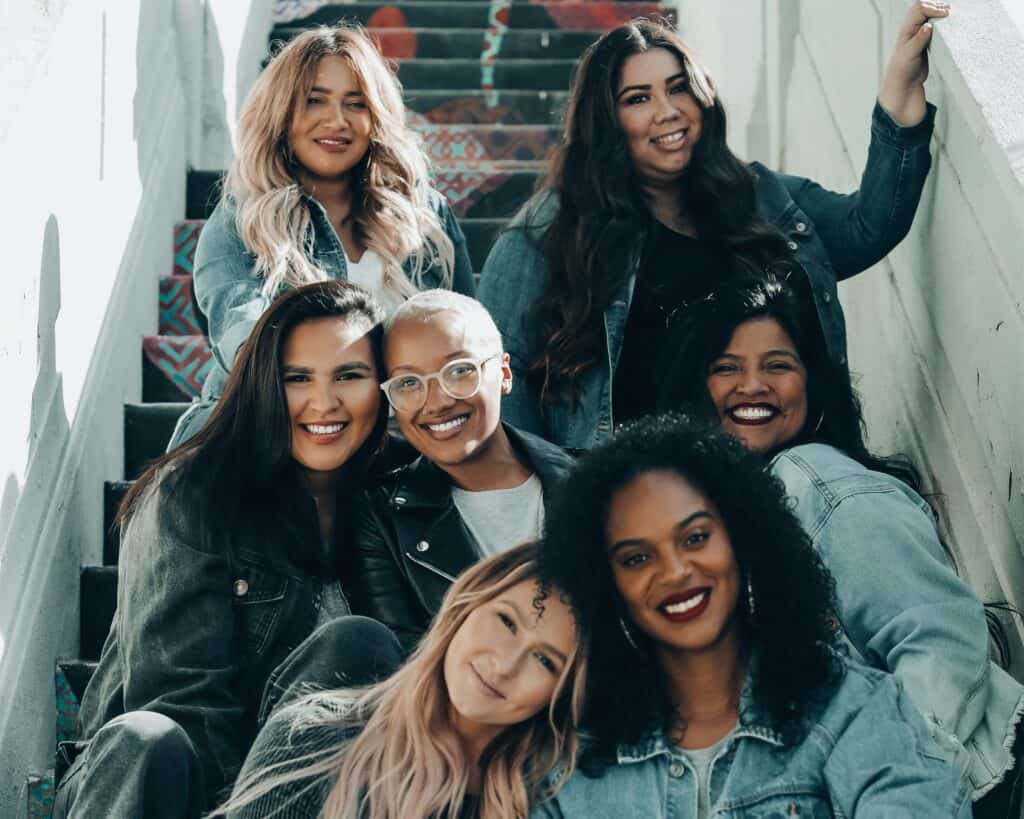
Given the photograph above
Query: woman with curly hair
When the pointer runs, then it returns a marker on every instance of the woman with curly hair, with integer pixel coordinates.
(714, 687)
(328, 182)
(644, 202)
(752, 357)
(472, 725)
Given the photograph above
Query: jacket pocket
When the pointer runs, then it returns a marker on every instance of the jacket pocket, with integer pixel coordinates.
(784, 806)
(257, 593)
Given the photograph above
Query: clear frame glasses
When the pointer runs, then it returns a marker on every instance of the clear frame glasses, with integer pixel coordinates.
(459, 379)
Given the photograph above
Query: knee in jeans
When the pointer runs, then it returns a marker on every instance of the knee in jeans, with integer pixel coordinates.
(356, 630)
(146, 732)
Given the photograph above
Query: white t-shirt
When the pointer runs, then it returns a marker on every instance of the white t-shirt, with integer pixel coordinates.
(502, 518)
(368, 273)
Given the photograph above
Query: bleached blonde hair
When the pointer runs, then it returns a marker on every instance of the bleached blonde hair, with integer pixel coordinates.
(391, 211)
(407, 761)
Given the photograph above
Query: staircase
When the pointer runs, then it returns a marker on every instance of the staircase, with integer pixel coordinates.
(485, 85)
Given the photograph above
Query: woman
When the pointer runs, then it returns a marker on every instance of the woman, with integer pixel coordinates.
(479, 486)
(643, 203)
(228, 587)
(753, 358)
(328, 183)
(474, 722)
(713, 687)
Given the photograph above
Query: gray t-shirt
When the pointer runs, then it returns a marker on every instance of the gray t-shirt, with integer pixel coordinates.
(701, 759)
(502, 518)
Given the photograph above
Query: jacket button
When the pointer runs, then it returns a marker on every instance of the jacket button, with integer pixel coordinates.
(801, 227)
(792, 245)
(241, 588)
(399, 501)
(422, 546)
(826, 297)
(676, 770)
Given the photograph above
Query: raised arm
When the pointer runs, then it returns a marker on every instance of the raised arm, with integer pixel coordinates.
(177, 641)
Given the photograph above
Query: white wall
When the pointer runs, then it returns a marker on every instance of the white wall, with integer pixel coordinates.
(95, 136)
(936, 330)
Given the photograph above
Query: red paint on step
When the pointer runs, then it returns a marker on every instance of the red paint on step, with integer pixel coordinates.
(396, 40)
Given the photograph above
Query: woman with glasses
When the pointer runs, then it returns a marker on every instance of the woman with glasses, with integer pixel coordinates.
(479, 486)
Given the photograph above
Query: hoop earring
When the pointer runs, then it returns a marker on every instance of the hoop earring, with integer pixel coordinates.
(629, 635)
(817, 426)
(750, 598)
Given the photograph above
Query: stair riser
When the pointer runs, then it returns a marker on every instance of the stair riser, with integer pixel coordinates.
(551, 75)
(174, 367)
(98, 600)
(591, 16)
(498, 107)
(179, 315)
(147, 429)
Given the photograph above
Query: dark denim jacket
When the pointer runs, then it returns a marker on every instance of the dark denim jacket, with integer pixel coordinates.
(832, 236)
(197, 633)
(231, 298)
(411, 543)
(867, 755)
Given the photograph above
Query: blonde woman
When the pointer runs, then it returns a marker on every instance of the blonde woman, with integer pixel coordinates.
(328, 183)
(473, 725)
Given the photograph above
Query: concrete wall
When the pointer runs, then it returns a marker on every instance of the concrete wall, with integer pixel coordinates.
(935, 330)
(95, 110)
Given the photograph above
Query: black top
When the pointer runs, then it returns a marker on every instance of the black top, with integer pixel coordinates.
(675, 270)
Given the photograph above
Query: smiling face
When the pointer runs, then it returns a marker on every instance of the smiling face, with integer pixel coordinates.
(673, 563)
(330, 129)
(331, 385)
(505, 660)
(758, 386)
(448, 431)
(660, 117)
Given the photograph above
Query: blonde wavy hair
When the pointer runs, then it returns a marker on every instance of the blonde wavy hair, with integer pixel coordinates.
(391, 211)
(407, 762)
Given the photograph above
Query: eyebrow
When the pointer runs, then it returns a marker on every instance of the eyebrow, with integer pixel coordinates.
(766, 354)
(620, 544)
(522, 618)
(341, 368)
(317, 89)
(668, 81)
(451, 357)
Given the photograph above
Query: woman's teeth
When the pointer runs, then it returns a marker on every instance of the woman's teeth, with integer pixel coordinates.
(333, 141)
(752, 413)
(668, 139)
(686, 605)
(455, 423)
(324, 429)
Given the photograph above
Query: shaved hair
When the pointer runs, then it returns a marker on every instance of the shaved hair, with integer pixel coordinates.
(425, 305)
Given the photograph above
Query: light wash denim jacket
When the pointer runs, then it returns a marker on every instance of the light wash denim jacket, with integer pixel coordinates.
(832, 236)
(867, 754)
(901, 605)
(231, 298)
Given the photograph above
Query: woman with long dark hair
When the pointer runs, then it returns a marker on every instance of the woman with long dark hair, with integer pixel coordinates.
(753, 358)
(642, 207)
(471, 726)
(329, 183)
(229, 593)
(714, 686)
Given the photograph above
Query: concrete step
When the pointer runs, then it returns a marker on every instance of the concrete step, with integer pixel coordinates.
(70, 679)
(98, 600)
(113, 494)
(179, 313)
(588, 16)
(174, 367)
(493, 107)
(147, 429)
(455, 143)
(39, 792)
(464, 44)
(551, 75)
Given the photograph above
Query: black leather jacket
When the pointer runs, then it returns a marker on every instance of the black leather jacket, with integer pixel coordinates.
(410, 543)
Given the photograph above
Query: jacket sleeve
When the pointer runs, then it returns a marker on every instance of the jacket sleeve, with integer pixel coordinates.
(904, 608)
(176, 639)
(860, 228)
(509, 284)
(885, 766)
(463, 280)
(226, 288)
(376, 585)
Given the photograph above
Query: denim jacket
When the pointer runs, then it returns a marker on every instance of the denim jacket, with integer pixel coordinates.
(901, 605)
(832, 237)
(198, 633)
(231, 297)
(867, 754)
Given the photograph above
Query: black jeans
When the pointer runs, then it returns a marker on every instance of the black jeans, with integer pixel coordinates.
(142, 764)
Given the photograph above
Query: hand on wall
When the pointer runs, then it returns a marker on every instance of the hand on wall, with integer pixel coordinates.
(902, 91)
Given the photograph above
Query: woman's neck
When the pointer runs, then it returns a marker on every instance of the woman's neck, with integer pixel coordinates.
(706, 688)
(496, 465)
(667, 206)
(323, 487)
(474, 738)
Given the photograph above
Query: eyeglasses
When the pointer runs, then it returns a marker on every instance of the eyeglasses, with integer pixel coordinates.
(458, 379)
